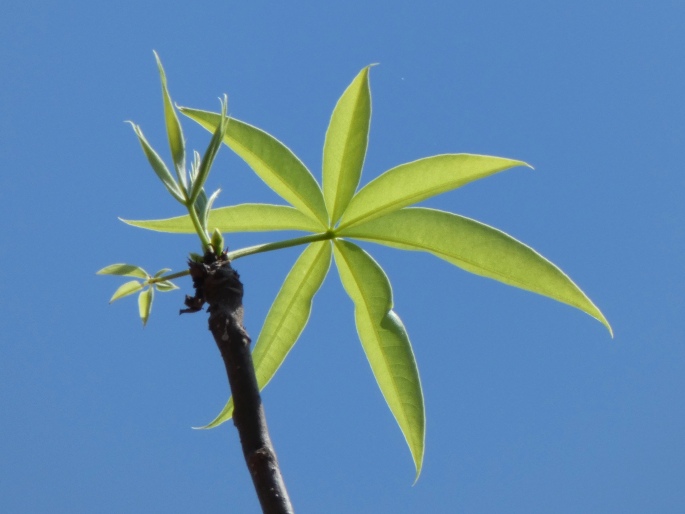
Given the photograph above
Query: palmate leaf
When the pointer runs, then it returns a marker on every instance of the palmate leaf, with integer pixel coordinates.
(385, 342)
(125, 270)
(145, 304)
(126, 289)
(247, 217)
(477, 248)
(415, 181)
(272, 161)
(287, 317)
(345, 146)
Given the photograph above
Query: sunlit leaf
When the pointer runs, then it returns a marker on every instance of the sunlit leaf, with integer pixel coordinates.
(385, 342)
(165, 286)
(145, 304)
(126, 289)
(418, 180)
(345, 146)
(126, 270)
(271, 160)
(247, 217)
(158, 165)
(477, 248)
(173, 128)
(287, 317)
(212, 149)
(161, 272)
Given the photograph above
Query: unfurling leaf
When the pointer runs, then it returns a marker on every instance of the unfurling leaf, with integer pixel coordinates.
(345, 147)
(145, 304)
(287, 316)
(217, 241)
(126, 289)
(477, 248)
(173, 128)
(165, 286)
(126, 270)
(385, 342)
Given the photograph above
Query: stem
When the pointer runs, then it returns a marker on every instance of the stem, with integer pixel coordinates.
(268, 247)
(198, 226)
(219, 285)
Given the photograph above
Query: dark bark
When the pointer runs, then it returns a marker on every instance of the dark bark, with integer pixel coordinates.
(218, 284)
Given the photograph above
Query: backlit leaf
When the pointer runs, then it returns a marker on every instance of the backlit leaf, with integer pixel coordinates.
(145, 304)
(477, 248)
(126, 289)
(272, 161)
(385, 342)
(418, 180)
(165, 286)
(247, 217)
(126, 270)
(287, 316)
(345, 146)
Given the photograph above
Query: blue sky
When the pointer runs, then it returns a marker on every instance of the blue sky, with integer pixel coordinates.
(531, 406)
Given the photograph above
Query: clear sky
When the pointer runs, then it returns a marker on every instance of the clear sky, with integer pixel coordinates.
(531, 406)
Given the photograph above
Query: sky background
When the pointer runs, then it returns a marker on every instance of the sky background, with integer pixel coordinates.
(531, 406)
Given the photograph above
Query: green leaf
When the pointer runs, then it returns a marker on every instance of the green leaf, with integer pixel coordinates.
(161, 272)
(477, 248)
(385, 342)
(145, 304)
(165, 286)
(418, 180)
(287, 316)
(126, 289)
(173, 128)
(247, 217)
(272, 161)
(126, 270)
(345, 147)
(212, 149)
(158, 165)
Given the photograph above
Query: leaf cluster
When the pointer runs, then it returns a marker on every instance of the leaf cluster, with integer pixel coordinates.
(334, 214)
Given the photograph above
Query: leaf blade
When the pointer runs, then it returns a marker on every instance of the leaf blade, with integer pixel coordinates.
(247, 217)
(126, 289)
(385, 342)
(272, 161)
(287, 317)
(477, 248)
(145, 304)
(124, 270)
(415, 181)
(345, 145)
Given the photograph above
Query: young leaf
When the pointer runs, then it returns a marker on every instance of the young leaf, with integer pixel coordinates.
(173, 128)
(145, 304)
(158, 165)
(345, 146)
(385, 342)
(272, 161)
(287, 316)
(415, 181)
(165, 286)
(162, 272)
(477, 248)
(210, 153)
(126, 289)
(247, 217)
(125, 270)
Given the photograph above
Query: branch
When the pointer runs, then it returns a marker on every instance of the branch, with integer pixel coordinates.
(218, 284)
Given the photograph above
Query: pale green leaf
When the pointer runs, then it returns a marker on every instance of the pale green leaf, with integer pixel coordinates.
(345, 146)
(126, 289)
(477, 248)
(126, 270)
(165, 286)
(247, 217)
(385, 342)
(287, 317)
(158, 165)
(418, 180)
(161, 272)
(272, 161)
(212, 149)
(145, 304)
(173, 128)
